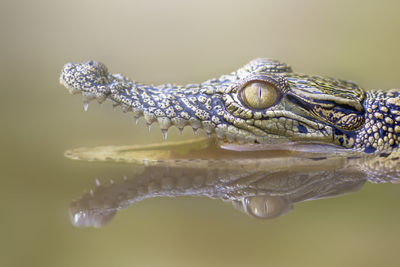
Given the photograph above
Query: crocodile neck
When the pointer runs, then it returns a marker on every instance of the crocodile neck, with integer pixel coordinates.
(381, 130)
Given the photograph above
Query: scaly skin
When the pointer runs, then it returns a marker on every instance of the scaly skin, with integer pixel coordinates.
(305, 108)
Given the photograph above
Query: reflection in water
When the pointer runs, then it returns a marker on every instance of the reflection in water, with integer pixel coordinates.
(256, 193)
(260, 183)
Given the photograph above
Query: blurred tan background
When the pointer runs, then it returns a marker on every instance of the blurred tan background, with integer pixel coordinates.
(181, 42)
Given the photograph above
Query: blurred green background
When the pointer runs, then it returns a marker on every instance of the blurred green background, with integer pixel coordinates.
(182, 42)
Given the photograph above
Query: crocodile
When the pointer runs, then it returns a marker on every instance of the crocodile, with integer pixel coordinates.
(263, 103)
(277, 137)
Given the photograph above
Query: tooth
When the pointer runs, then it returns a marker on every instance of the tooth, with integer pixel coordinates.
(164, 133)
(115, 105)
(179, 122)
(137, 112)
(126, 108)
(85, 105)
(195, 123)
(207, 130)
(150, 118)
(164, 122)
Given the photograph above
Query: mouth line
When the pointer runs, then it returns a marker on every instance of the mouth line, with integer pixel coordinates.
(306, 147)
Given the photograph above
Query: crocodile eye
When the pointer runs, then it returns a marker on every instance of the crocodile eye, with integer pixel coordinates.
(258, 94)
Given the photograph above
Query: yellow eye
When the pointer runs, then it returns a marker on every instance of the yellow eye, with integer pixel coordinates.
(259, 95)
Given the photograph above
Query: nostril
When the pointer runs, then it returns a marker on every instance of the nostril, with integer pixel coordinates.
(68, 66)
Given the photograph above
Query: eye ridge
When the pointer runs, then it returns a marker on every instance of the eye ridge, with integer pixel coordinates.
(259, 94)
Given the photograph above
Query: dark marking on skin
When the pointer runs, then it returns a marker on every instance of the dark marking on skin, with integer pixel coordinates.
(369, 149)
(316, 159)
(298, 102)
(302, 129)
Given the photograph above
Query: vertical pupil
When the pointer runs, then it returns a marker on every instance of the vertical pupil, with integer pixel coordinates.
(259, 94)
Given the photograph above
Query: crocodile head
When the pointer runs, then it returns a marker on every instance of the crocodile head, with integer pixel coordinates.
(263, 102)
